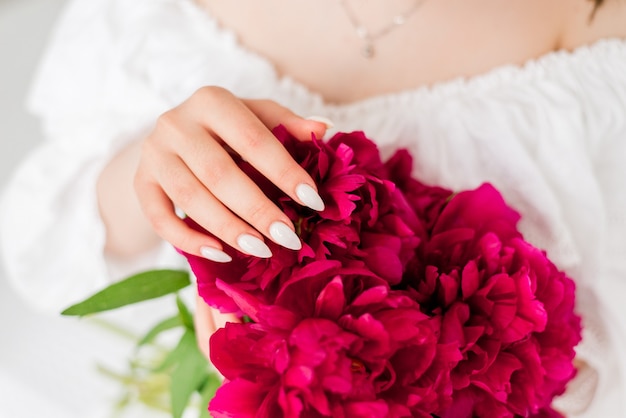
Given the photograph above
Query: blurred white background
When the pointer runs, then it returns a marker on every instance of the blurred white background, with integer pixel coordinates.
(47, 362)
(24, 27)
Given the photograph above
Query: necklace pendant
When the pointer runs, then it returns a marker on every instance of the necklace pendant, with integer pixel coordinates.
(368, 50)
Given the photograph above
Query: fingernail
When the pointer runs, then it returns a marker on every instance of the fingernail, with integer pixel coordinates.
(283, 235)
(329, 124)
(309, 197)
(253, 246)
(214, 254)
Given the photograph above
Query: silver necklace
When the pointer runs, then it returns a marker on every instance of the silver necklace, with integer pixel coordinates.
(368, 37)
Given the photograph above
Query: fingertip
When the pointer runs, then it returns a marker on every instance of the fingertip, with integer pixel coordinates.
(214, 254)
(327, 123)
(306, 128)
(191, 239)
(309, 197)
(316, 125)
(253, 245)
(317, 131)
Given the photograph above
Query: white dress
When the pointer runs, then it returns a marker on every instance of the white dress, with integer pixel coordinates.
(551, 135)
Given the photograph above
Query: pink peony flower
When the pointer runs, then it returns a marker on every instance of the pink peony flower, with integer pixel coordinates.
(364, 221)
(406, 300)
(504, 304)
(337, 343)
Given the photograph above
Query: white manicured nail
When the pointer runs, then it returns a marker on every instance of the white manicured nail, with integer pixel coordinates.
(309, 197)
(253, 246)
(329, 124)
(283, 235)
(214, 254)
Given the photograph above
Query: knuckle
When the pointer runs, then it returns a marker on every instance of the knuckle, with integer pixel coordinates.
(228, 228)
(184, 242)
(167, 121)
(253, 139)
(168, 125)
(184, 195)
(215, 172)
(210, 93)
(265, 102)
(259, 212)
(287, 174)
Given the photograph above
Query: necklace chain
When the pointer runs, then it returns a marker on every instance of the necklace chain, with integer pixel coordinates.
(369, 37)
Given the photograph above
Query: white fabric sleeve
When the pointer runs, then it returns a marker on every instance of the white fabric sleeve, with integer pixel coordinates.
(51, 234)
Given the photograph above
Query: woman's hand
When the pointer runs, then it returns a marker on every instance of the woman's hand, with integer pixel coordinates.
(186, 163)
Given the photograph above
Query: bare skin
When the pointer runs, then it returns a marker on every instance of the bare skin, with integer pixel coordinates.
(443, 40)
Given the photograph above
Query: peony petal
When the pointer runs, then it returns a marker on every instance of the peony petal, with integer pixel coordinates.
(277, 317)
(470, 279)
(449, 288)
(452, 325)
(307, 335)
(281, 357)
(482, 209)
(366, 152)
(298, 377)
(290, 403)
(240, 350)
(316, 268)
(216, 298)
(331, 302)
(497, 379)
(385, 263)
(238, 398)
(248, 304)
(376, 339)
(371, 296)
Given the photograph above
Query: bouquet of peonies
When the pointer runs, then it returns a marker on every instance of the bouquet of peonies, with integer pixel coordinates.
(405, 300)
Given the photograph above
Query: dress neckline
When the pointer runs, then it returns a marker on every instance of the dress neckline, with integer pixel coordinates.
(488, 80)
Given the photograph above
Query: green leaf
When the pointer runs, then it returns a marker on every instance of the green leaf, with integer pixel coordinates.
(210, 386)
(185, 314)
(189, 375)
(166, 324)
(143, 286)
(175, 356)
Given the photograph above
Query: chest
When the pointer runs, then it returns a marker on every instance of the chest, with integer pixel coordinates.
(320, 45)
